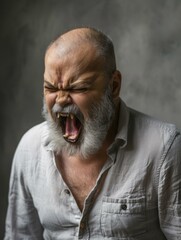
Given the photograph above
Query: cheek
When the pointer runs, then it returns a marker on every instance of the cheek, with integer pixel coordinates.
(85, 102)
(50, 100)
(82, 102)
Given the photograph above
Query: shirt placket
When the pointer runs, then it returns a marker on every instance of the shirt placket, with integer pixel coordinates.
(84, 231)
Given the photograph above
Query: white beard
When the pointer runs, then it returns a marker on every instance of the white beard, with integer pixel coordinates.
(94, 130)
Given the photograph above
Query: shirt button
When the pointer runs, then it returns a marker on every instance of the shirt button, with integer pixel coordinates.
(122, 142)
(67, 191)
(123, 206)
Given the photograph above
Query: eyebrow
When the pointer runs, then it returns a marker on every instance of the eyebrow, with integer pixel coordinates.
(83, 82)
(49, 84)
(78, 83)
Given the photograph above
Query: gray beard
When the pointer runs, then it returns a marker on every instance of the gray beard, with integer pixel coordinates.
(94, 131)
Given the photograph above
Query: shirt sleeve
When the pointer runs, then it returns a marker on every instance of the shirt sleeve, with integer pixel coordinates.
(169, 190)
(22, 221)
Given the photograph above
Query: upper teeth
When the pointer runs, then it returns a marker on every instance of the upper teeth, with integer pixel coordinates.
(58, 115)
(65, 115)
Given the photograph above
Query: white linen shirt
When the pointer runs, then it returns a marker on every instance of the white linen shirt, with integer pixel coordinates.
(139, 199)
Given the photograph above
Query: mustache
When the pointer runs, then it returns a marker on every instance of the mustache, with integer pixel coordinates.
(69, 109)
(66, 109)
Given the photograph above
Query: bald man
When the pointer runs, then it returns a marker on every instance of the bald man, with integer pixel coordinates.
(95, 169)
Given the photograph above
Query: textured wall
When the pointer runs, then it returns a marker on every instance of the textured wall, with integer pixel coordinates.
(147, 37)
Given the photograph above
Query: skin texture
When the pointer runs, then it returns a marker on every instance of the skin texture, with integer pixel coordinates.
(76, 74)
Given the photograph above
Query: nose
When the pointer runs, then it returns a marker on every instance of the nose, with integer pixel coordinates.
(63, 98)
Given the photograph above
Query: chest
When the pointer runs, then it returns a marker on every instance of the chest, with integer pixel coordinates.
(80, 183)
(121, 214)
(80, 180)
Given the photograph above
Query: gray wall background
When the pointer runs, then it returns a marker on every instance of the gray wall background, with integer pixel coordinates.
(147, 38)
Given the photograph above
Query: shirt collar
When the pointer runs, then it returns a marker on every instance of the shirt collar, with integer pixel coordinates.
(45, 137)
(123, 121)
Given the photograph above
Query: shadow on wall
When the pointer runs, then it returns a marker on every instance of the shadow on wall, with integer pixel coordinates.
(147, 40)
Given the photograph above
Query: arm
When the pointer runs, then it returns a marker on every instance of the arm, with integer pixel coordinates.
(22, 221)
(169, 191)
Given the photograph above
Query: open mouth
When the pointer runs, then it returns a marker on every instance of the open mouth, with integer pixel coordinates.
(71, 126)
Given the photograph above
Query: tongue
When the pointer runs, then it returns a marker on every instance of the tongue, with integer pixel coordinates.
(71, 130)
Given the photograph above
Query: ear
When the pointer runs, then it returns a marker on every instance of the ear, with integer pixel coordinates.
(116, 84)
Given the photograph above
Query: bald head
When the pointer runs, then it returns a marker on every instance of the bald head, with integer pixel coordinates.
(79, 38)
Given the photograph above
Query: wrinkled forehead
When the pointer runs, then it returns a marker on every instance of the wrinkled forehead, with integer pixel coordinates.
(82, 57)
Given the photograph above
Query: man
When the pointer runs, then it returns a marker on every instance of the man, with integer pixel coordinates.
(95, 169)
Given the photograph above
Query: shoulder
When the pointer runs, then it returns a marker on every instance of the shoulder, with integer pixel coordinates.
(150, 125)
(29, 150)
(31, 145)
(150, 133)
(33, 138)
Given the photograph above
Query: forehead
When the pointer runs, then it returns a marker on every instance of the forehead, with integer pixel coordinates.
(70, 61)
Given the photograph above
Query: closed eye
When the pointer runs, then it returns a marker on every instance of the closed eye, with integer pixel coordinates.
(50, 89)
(79, 90)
